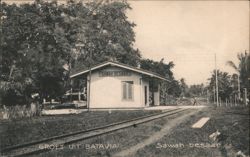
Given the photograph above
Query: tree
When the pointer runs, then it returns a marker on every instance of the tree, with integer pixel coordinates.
(184, 87)
(109, 35)
(42, 41)
(172, 88)
(161, 68)
(243, 70)
(225, 89)
(35, 48)
(197, 90)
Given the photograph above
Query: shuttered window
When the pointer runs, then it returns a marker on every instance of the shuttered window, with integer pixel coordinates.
(127, 90)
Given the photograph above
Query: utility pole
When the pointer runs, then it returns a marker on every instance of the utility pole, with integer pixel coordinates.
(216, 82)
(239, 86)
(214, 93)
(89, 81)
(89, 85)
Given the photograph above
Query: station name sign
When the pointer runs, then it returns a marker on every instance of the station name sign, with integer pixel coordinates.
(114, 73)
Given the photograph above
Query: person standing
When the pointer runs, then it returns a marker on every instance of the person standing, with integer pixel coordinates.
(195, 102)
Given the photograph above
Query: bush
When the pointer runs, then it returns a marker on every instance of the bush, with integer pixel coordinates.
(11, 98)
(13, 93)
(20, 111)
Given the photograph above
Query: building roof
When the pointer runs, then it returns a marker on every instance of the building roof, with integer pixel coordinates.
(121, 65)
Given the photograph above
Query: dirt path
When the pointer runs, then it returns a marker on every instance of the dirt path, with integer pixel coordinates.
(156, 136)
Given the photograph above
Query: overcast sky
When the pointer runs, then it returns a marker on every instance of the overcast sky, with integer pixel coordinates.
(189, 33)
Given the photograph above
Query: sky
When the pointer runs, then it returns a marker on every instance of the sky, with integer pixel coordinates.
(190, 33)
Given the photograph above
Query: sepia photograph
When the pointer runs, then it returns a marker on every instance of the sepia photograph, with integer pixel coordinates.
(124, 78)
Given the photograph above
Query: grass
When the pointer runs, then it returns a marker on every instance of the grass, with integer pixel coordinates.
(233, 126)
(123, 138)
(233, 123)
(234, 137)
(24, 130)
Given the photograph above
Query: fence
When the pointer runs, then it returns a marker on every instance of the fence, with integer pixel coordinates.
(232, 102)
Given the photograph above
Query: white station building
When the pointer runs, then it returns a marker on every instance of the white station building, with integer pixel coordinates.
(113, 85)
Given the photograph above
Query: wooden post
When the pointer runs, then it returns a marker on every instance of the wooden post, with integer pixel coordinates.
(235, 100)
(239, 87)
(220, 102)
(79, 96)
(245, 91)
(207, 97)
(231, 101)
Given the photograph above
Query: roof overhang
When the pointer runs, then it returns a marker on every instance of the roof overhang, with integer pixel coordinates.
(124, 66)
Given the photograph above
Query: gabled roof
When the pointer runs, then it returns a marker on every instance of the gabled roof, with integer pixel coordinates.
(121, 65)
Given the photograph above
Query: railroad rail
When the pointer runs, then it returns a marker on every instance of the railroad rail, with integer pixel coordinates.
(35, 147)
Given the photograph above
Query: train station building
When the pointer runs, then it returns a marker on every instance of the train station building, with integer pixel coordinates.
(113, 85)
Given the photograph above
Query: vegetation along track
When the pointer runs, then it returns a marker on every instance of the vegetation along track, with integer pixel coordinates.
(35, 147)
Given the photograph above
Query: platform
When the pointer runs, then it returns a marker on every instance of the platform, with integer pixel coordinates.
(172, 107)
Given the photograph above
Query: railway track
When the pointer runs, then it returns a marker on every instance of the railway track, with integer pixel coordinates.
(35, 147)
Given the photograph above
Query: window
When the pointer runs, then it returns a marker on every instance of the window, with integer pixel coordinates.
(127, 90)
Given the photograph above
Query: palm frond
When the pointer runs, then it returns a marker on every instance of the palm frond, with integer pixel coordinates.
(231, 63)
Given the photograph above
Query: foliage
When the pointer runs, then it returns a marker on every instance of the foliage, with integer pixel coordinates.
(243, 69)
(167, 88)
(42, 42)
(228, 84)
(160, 67)
(197, 90)
(225, 89)
(184, 88)
(34, 49)
(174, 88)
(108, 36)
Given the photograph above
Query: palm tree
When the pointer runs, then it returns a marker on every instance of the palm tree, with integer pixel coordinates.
(184, 87)
(243, 70)
(237, 69)
(224, 84)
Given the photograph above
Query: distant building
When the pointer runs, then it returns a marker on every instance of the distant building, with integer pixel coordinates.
(116, 85)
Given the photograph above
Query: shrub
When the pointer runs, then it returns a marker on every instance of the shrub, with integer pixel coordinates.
(12, 93)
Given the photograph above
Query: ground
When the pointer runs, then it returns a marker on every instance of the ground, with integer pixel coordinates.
(13, 132)
(234, 129)
(169, 136)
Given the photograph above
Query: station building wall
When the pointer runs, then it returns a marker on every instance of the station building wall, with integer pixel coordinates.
(107, 92)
